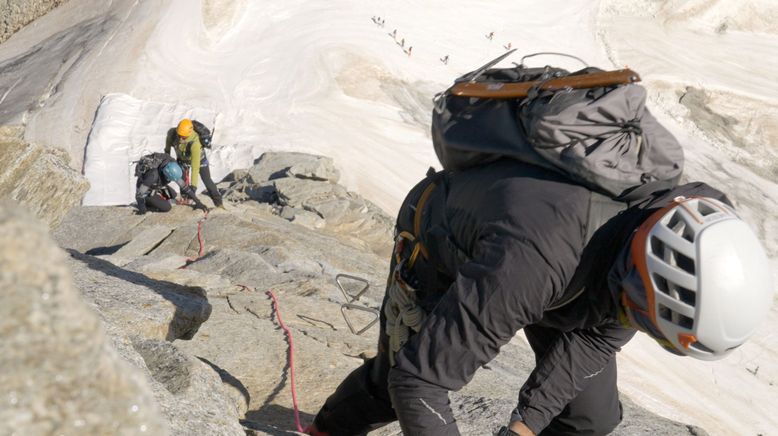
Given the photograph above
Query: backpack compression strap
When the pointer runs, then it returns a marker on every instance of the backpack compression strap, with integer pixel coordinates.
(508, 90)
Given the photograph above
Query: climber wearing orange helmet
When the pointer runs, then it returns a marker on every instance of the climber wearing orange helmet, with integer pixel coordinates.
(489, 250)
(190, 152)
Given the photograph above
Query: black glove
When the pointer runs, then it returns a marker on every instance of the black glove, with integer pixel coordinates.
(188, 192)
(202, 207)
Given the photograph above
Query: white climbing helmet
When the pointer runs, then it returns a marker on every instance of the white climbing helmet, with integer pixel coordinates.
(707, 278)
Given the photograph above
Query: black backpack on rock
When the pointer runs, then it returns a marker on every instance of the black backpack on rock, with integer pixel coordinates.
(151, 161)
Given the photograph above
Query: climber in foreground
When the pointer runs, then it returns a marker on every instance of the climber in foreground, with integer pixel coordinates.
(154, 172)
(529, 229)
(190, 152)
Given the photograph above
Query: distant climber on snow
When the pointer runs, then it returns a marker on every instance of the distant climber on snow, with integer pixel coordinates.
(190, 152)
(581, 237)
(154, 172)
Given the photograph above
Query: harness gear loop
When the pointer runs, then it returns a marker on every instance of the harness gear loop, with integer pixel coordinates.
(402, 311)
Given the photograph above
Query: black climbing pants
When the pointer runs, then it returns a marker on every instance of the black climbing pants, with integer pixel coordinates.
(157, 204)
(361, 402)
(213, 191)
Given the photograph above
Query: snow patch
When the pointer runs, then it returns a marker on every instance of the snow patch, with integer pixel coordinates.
(126, 128)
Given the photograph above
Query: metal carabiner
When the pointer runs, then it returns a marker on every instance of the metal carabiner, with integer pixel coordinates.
(349, 304)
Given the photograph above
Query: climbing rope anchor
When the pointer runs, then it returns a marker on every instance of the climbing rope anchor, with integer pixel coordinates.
(351, 305)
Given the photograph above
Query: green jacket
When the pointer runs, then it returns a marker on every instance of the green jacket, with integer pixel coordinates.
(188, 151)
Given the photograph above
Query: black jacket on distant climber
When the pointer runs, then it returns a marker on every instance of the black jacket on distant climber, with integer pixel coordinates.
(151, 189)
(504, 241)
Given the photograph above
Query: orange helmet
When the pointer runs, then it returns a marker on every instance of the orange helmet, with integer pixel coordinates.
(185, 128)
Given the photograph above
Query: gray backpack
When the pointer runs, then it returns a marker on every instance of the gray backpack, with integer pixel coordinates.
(603, 138)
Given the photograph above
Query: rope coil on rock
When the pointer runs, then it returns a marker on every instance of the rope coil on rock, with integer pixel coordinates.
(402, 311)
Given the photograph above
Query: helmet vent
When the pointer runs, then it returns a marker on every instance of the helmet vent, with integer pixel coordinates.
(683, 262)
(670, 256)
(686, 296)
(706, 209)
(661, 283)
(679, 226)
(657, 247)
(676, 318)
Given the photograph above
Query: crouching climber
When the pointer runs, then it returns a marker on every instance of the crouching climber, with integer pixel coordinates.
(190, 152)
(154, 172)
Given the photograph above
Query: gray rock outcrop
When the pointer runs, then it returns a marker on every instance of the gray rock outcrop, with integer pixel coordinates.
(303, 189)
(138, 305)
(18, 13)
(40, 178)
(60, 374)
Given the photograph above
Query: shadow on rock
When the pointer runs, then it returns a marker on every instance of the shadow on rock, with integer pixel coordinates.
(105, 251)
(273, 418)
(191, 306)
(229, 379)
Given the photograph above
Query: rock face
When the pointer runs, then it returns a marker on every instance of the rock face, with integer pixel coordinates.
(138, 305)
(142, 315)
(40, 178)
(17, 13)
(303, 188)
(59, 374)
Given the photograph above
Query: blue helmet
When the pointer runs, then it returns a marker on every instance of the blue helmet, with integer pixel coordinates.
(172, 171)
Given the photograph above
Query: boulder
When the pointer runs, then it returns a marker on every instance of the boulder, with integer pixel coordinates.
(140, 305)
(60, 374)
(274, 165)
(189, 391)
(142, 244)
(40, 178)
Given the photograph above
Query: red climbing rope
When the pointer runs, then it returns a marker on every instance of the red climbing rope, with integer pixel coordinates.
(277, 310)
(200, 240)
(291, 361)
(288, 332)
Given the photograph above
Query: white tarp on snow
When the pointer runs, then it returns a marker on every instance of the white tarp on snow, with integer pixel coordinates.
(125, 129)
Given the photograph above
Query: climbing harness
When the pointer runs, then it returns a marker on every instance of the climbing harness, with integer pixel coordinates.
(402, 310)
(406, 237)
(351, 305)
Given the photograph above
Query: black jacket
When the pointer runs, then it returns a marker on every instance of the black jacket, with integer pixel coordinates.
(151, 181)
(504, 241)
